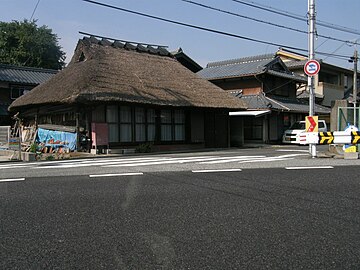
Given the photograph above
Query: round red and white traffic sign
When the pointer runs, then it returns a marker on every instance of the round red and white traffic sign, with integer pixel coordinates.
(312, 67)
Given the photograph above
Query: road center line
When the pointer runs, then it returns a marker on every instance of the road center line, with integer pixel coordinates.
(220, 170)
(309, 168)
(114, 174)
(12, 180)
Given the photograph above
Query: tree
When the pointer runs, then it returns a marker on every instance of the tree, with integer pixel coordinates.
(26, 44)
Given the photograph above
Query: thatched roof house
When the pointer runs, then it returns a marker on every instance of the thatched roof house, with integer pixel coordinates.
(103, 71)
(145, 85)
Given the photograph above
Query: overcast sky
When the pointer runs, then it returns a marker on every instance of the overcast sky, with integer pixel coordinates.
(67, 17)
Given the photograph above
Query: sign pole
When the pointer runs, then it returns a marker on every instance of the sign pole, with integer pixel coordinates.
(355, 86)
(311, 18)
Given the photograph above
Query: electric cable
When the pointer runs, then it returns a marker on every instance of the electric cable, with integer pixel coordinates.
(262, 21)
(203, 28)
(297, 17)
(36, 6)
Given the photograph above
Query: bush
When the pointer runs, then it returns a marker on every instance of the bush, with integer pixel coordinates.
(144, 148)
(51, 157)
(33, 148)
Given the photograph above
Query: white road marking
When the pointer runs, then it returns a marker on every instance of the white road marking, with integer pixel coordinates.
(146, 161)
(221, 170)
(231, 159)
(12, 180)
(13, 166)
(293, 150)
(309, 168)
(268, 159)
(99, 163)
(162, 162)
(114, 174)
(265, 160)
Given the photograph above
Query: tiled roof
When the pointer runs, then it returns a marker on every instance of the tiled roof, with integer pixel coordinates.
(236, 67)
(295, 64)
(293, 76)
(243, 60)
(25, 75)
(306, 95)
(247, 66)
(260, 102)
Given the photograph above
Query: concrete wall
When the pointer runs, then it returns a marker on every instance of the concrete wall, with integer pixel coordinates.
(334, 125)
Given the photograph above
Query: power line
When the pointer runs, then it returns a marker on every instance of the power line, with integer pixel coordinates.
(203, 28)
(297, 17)
(262, 21)
(338, 49)
(191, 25)
(32, 15)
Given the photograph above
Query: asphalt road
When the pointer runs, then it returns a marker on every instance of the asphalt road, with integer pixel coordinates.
(271, 218)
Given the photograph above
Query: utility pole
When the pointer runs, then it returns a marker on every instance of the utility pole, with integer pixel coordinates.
(355, 59)
(311, 22)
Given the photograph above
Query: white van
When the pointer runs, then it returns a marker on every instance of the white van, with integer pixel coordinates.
(291, 134)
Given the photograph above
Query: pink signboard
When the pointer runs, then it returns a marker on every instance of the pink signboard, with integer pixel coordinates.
(99, 134)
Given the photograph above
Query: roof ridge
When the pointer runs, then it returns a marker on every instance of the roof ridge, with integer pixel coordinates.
(247, 59)
(128, 45)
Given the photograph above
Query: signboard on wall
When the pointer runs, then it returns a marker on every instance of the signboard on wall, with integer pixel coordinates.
(99, 134)
(14, 143)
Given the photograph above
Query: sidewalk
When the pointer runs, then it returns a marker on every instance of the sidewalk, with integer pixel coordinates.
(4, 158)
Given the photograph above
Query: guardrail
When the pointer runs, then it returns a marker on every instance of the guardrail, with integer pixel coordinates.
(335, 137)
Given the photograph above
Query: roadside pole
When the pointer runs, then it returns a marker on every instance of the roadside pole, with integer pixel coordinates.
(311, 19)
(355, 59)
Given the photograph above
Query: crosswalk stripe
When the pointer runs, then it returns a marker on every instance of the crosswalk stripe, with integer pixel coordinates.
(147, 161)
(12, 180)
(220, 170)
(114, 174)
(95, 163)
(265, 160)
(231, 159)
(309, 168)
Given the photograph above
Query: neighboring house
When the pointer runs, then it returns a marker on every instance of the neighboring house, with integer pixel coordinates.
(16, 81)
(331, 83)
(269, 89)
(142, 94)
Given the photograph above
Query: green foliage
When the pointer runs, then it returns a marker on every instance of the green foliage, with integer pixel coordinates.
(33, 148)
(26, 44)
(50, 158)
(144, 148)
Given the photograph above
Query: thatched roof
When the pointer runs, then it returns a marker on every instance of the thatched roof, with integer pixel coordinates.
(104, 71)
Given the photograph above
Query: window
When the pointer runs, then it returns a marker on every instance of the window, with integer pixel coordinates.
(112, 118)
(172, 125)
(166, 125)
(140, 125)
(151, 125)
(17, 91)
(125, 124)
(135, 124)
(179, 121)
(329, 78)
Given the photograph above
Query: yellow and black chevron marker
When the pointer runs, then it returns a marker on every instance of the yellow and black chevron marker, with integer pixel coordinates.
(326, 137)
(355, 137)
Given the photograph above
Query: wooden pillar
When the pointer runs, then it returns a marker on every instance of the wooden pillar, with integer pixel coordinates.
(77, 118)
